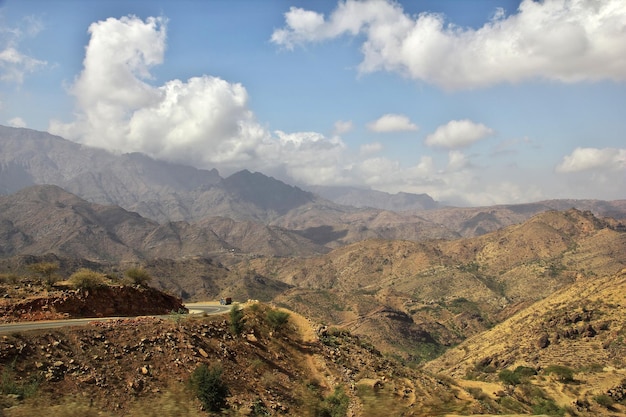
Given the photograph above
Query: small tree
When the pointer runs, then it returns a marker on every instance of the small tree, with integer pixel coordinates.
(236, 319)
(562, 373)
(47, 270)
(9, 278)
(138, 276)
(208, 386)
(277, 319)
(604, 400)
(509, 377)
(335, 405)
(86, 279)
(516, 377)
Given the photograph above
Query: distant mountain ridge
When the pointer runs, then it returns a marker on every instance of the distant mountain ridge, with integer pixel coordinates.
(166, 192)
(157, 190)
(47, 219)
(363, 198)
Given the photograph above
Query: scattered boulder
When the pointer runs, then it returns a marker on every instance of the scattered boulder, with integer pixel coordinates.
(543, 341)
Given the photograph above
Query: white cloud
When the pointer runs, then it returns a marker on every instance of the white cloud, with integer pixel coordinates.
(306, 157)
(458, 134)
(562, 40)
(206, 122)
(14, 64)
(202, 121)
(586, 159)
(370, 148)
(392, 123)
(341, 127)
(16, 122)
(457, 161)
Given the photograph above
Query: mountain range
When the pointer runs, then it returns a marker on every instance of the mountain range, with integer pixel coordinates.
(464, 293)
(329, 216)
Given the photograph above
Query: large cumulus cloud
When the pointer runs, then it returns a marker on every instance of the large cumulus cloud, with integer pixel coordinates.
(563, 40)
(204, 121)
(593, 159)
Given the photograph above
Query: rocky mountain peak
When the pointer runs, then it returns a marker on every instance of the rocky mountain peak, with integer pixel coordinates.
(266, 192)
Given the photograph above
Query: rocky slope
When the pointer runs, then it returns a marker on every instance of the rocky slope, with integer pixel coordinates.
(47, 219)
(417, 298)
(571, 343)
(140, 366)
(37, 302)
(165, 192)
(361, 198)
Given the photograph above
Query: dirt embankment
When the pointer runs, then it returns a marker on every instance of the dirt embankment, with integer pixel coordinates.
(108, 301)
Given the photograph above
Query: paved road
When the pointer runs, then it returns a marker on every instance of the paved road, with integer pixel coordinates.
(209, 308)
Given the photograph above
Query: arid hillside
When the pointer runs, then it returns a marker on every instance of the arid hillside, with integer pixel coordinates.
(568, 347)
(414, 299)
(46, 219)
(527, 319)
(269, 366)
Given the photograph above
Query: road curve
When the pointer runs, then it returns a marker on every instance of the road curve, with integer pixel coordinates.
(208, 307)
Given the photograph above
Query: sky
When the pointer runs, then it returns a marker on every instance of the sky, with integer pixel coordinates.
(474, 102)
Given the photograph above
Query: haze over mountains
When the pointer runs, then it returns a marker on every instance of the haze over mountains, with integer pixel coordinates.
(166, 192)
(274, 239)
(416, 279)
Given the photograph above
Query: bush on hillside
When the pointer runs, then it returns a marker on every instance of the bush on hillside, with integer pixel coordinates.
(208, 386)
(9, 278)
(277, 319)
(138, 276)
(236, 320)
(86, 279)
(604, 400)
(47, 270)
(517, 376)
(563, 373)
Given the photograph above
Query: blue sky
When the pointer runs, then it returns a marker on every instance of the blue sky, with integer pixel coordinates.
(473, 102)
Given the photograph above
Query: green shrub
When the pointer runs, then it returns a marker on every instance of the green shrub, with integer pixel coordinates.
(9, 278)
(604, 400)
(47, 270)
(563, 373)
(516, 377)
(276, 319)
(512, 404)
(525, 371)
(548, 407)
(236, 319)
(477, 393)
(335, 405)
(259, 409)
(85, 279)
(138, 276)
(9, 384)
(208, 386)
(509, 377)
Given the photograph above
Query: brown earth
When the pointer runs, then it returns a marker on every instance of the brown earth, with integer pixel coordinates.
(579, 328)
(118, 366)
(417, 298)
(35, 302)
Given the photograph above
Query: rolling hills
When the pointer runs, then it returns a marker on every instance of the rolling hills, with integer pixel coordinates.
(508, 309)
